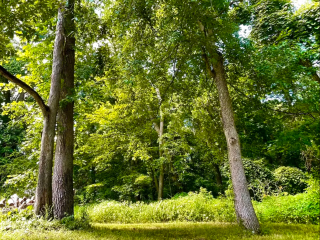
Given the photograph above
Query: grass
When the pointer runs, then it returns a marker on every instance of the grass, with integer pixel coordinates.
(197, 216)
(202, 207)
(178, 230)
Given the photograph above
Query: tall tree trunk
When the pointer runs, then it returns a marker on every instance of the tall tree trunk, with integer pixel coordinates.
(218, 175)
(161, 175)
(159, 129)
(93, 179)
(43, 202)
(161, 182)
(243, 206)
(155, 179)
(63, 168)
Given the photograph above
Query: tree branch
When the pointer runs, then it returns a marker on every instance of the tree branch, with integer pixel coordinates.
(44, 108)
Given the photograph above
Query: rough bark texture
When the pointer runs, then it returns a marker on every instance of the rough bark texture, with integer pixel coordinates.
(243, 206)
(44, 188)
(43, 203)
(63, 168)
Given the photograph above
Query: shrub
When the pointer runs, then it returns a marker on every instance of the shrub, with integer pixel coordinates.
(23, 184)
(299, 208)
(179, 195)
(193, 207)
(290, 179)
(260, 179)
(26, 219)
(202, 207)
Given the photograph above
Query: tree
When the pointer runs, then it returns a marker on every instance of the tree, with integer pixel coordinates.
(44, 187)
(63, 167)
(276, 23)
(242, 200)
(25, 20)
(11, 132)
(160, 93)
(202, 27)
(285, 57)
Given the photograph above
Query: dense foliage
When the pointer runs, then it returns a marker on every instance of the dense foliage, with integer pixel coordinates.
(142, 66)
(202, 207)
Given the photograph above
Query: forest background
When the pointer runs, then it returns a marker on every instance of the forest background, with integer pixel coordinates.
(141, 68)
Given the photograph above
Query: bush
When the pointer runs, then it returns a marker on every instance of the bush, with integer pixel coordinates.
(290, 179)
(261, 181)
(285, 208)
(200, 207)
(300, 208)
(23, 184)
(26, 219)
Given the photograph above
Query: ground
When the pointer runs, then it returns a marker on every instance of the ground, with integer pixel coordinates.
(196, 231)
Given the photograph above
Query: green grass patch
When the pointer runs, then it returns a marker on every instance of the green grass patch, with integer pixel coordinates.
(196, 231)
(202, 207)
(195, 207)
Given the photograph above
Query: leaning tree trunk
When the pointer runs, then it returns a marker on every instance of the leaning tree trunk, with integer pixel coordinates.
(43, 204)
(246, 215)
(63, 168)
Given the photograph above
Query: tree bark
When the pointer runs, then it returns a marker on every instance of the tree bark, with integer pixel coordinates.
(218, 175)
(159, 130)
(161, 182)
(161, 175)
(155, 179)
(43, 202)
(243, 206)
(63, 168)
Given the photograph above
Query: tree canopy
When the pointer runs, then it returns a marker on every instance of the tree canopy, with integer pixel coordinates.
(158, 97)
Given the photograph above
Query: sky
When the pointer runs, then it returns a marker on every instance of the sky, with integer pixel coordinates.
(299, 3)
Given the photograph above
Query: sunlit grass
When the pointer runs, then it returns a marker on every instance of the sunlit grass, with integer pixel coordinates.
(202, 207)
(197, 231)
